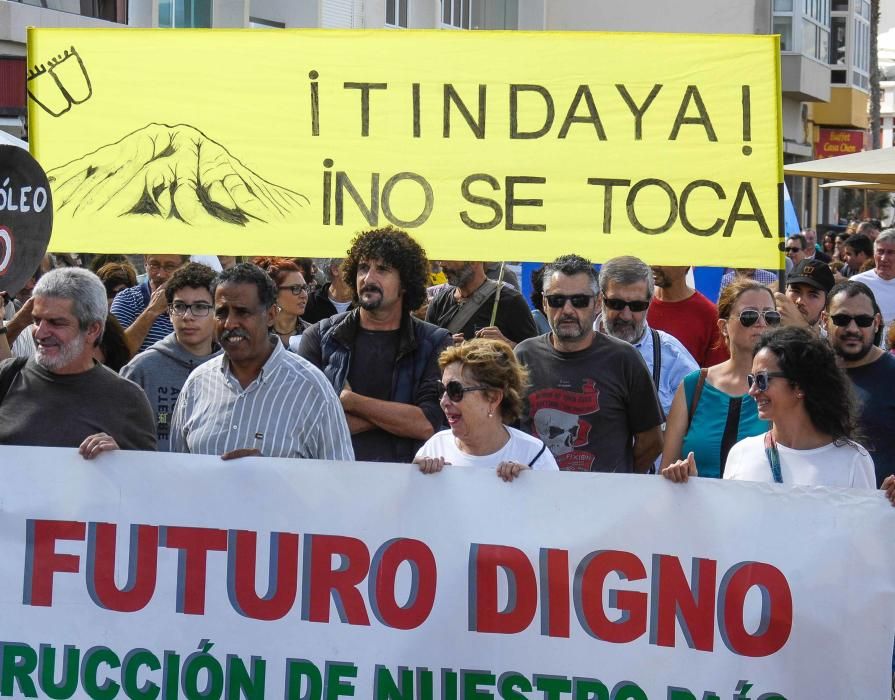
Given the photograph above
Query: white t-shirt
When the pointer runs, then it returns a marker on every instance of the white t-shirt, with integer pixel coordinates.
(847, 465)
(521, 447)
(883, 290)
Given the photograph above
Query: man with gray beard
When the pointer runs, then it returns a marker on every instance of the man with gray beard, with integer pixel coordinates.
(62, 397)
(626, 290)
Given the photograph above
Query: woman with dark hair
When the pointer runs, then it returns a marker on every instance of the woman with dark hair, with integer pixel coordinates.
(797, 386)
(112, 350)
(292, 299)
(481, 391)
(829, 244)
(711, 409)
(116, 276)
(537, 300)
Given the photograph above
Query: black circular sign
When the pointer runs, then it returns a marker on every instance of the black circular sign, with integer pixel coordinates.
(26, 217)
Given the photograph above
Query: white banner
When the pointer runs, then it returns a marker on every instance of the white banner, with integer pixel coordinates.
(149, 575)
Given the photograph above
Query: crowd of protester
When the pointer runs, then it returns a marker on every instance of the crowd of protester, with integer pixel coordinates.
(386, 356)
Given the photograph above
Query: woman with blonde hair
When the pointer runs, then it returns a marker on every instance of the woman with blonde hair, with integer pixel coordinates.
(711, 410)
(481, 392)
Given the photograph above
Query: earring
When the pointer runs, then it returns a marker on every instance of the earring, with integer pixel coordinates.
(490, 414)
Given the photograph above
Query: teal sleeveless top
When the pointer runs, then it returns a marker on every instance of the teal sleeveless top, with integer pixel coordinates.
(706, 431)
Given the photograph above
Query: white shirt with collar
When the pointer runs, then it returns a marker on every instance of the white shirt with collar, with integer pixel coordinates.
(289, 410)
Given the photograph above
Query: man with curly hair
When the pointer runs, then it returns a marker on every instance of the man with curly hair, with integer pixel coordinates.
(380, 359)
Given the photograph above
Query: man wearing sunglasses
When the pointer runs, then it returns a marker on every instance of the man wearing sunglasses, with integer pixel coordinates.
(853, 324)
(591, 399)
(626, 290)
(163, 367)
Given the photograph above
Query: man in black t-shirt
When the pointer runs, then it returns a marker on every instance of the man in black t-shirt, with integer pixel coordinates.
(380, 359)
(871, 370)
(469, 285)
(592, 400)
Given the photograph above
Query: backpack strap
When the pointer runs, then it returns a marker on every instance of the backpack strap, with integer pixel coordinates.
(8, 377)
(469, 308)
(657, 357)
(697, 392)
(731, 429)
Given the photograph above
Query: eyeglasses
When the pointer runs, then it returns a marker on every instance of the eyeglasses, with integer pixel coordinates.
(749, 317)
(762, 379)
(579, 301)
(455, 390)
(198, 309)
(620, 304)
(843, 320)
(789, 251)
(167, 267)
(297, 289)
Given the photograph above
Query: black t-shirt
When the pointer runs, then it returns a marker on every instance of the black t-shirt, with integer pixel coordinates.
(586, 406)
(370, 374)
(514, 318)
(873, 384)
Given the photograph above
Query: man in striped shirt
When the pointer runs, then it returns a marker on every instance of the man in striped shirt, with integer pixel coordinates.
(257, 399)
(142, 311)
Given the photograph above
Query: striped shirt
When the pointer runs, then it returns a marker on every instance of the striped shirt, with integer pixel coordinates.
(289, 410)
(130, 303)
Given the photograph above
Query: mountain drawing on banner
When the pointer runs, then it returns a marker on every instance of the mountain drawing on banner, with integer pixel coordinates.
(169, 172)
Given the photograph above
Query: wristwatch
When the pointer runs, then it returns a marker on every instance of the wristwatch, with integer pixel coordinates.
(3, 329)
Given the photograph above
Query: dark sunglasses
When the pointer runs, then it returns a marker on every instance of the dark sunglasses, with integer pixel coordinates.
(455, 389)
(792, 250)
(297, 289)
(749, 317)
(620, 304)
(762, 379)
(842, 320)
(579, 301)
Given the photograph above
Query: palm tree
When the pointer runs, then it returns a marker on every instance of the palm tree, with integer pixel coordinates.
(875, 93)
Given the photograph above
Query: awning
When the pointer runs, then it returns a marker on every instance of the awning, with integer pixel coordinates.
(857, 185)
(867, 166)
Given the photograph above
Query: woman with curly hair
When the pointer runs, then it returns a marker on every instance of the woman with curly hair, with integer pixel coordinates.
(292, 299)
(808, 400)
(481, 388)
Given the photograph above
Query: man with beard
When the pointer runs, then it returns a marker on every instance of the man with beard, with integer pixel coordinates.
(61, 397)
(381, 360)
(626, 290)
(686, 314)
(465, 307)
(257, 398)
(806, 294)
(854, 324)
(591, 399)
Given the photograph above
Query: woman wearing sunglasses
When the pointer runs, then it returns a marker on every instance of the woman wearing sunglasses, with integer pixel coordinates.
(292, 299)
(481, 390)
(808, 400)
(711, 410)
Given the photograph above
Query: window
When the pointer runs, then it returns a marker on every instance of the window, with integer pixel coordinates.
(396, 13)
(456, 14)
(184, 13)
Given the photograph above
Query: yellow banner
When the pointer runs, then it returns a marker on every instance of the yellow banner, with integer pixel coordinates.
(484, 145)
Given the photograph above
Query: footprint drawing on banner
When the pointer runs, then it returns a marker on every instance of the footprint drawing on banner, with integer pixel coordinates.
(62, 82)
(170, 173)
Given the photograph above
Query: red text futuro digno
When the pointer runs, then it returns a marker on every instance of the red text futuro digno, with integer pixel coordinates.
(565, 593)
